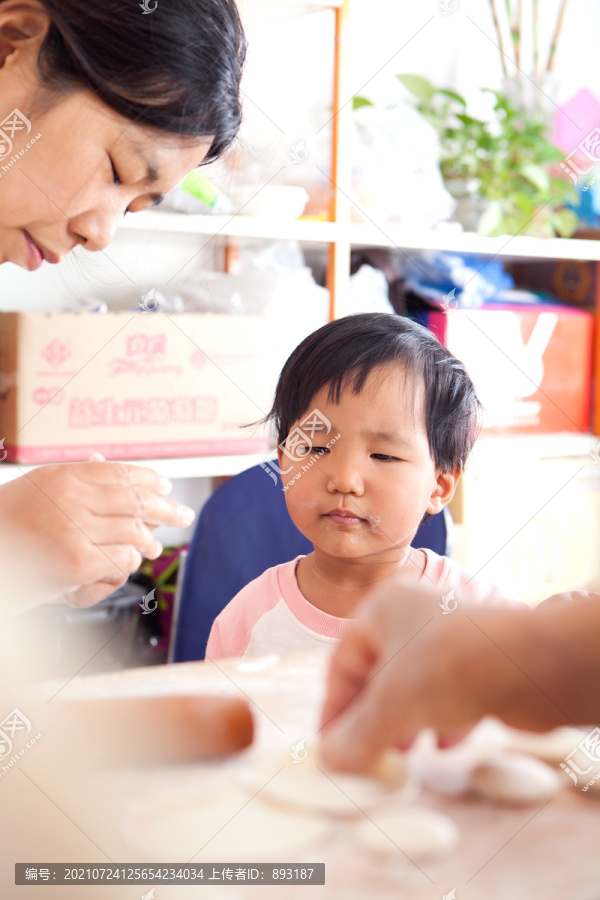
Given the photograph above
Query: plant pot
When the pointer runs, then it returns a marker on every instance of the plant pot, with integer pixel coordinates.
(470, 205)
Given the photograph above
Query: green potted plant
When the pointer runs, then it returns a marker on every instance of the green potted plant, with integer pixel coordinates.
(510, 161)
(503, 172)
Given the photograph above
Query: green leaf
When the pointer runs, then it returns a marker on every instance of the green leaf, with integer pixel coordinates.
(564, 221)
(418, 86)
(564, 191)
(453, 96)
(524, 204)
(469, 120)
(546, 152)
(491, 219)
(538, 176)
(357, 102)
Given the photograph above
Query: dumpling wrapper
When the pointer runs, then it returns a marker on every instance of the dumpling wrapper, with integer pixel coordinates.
(308, 786)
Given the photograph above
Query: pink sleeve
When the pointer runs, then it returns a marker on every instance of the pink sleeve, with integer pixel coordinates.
(232, 629)
(214, 647)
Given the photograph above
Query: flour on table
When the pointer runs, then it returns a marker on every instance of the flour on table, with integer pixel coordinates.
(412, 832)
(220, 827)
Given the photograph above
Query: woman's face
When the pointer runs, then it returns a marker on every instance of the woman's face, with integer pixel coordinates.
(69, 172)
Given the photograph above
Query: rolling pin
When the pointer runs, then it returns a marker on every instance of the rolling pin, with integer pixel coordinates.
(152, 729)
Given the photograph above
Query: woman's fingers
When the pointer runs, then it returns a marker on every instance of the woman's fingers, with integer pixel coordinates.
(371, 721)
(90, 594)
(101, 562)
(349, 669)
(136, 502)
(80, 524)
(118, 473)
(371, 698)
(102, 530)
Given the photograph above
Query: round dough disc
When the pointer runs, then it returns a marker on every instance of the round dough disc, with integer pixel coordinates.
(309, 786)
(412, 832)
(515, 779)
(219, 827)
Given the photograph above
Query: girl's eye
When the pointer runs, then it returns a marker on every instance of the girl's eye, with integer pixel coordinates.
(383, 457)
(318, 451)
(116, 179)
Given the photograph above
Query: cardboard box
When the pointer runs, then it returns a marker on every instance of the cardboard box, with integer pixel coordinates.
(130, 385)
(531, 365)
(572, 281)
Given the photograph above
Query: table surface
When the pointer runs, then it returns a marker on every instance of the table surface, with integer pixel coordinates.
(545, 850)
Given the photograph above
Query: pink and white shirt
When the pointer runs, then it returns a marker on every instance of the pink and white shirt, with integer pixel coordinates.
(271, 615)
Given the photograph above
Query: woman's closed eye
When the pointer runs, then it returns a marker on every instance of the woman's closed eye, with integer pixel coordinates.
(116, 179)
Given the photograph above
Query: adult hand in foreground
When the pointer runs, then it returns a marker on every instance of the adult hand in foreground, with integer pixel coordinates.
(404, 666)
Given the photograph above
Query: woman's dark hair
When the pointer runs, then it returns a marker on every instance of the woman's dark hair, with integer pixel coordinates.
(177, 69)
(343, 353)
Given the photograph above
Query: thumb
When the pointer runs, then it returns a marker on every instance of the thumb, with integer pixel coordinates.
(357, 737)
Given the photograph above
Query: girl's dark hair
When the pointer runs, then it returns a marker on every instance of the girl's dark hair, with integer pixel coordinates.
(341, 355)
(177, 69)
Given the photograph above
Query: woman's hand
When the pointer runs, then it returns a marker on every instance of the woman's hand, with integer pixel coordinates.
(76, 531)
(404, 666)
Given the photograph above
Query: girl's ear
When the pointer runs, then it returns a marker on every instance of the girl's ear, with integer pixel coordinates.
(443, 491)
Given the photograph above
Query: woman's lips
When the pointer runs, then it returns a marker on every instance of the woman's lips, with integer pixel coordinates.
(35, 257)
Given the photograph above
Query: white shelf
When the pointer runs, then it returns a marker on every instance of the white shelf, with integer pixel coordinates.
(179, 467)
(447, 239)
(234, 226)
(467, 242)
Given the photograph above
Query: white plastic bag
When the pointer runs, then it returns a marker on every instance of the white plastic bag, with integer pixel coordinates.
(396, 175)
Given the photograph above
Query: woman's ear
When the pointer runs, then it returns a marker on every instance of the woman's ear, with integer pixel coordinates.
(23, 27)
(443, 491)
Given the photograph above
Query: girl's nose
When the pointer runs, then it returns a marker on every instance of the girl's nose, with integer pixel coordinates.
(344, 478)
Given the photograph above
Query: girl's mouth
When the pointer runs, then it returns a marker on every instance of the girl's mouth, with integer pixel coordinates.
(344, 517)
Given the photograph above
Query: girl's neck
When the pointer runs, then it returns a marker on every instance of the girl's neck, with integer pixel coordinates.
(337, 586)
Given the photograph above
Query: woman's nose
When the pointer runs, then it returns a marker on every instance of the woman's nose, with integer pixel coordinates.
(96, 229)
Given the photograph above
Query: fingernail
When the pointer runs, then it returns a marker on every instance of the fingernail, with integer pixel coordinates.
(186, 514)
(158, 548)
(165, 486)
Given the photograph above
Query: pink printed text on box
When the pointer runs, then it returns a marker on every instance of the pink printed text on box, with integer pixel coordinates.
(130, 385)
